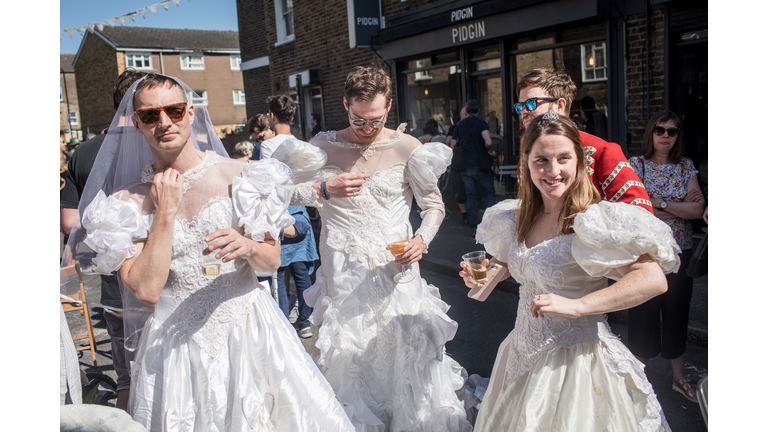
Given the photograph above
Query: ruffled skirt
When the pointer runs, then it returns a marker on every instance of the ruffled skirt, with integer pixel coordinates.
(382, 348)
(597, 385)
(260, 380)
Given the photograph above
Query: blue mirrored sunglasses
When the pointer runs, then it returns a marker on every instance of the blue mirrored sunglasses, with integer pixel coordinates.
(532, 103)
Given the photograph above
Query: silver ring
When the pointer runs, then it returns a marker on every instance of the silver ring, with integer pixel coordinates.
(538, 297)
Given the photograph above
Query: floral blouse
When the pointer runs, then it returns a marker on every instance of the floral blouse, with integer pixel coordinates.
(670, 182)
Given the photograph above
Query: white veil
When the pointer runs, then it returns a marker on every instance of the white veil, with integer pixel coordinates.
(121, 159)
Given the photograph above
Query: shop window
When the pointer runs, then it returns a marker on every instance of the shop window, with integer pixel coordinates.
(234, 62)
(435, 97)
(192, 62)
(284, 18)
(239, 97)
(423, 76)
(138, 61)
(593, 62)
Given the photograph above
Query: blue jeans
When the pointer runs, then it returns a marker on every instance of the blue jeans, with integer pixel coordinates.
(476, 181)
(300, 272)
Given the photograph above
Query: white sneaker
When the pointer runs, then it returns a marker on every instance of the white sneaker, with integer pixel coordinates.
(294, 315)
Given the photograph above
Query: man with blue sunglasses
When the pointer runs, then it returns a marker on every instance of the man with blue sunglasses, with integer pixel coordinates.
(544, 90)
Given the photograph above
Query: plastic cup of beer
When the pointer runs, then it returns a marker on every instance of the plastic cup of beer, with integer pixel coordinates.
(476, 265)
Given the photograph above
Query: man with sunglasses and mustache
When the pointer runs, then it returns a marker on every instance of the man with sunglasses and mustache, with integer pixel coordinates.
(544, 90)
(187, 228)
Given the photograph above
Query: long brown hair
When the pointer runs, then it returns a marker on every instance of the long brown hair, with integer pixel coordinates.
(676, 153)
(578, 197)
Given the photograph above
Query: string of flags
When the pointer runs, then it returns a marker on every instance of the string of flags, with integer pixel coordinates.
(120, 19)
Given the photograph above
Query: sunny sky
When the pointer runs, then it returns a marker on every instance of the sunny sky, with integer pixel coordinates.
(194, 14)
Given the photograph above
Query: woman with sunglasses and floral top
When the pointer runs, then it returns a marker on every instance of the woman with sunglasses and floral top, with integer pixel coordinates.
(661, 324)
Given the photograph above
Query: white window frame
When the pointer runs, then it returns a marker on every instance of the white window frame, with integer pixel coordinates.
(592, 49)
(234, 62)
(71, 115)
(187, 57)
(61, 94)
(202, 100)
(280, 18)
(132, 56)
(236, 97)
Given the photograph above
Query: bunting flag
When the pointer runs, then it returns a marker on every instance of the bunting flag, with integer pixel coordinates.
(120, 19)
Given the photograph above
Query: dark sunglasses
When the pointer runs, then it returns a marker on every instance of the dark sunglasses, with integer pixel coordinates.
(532, 103)
(374, 123)
(150, 116)
(673, 131)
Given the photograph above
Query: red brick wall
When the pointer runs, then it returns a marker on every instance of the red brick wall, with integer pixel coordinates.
(321, 42)
(637, 96)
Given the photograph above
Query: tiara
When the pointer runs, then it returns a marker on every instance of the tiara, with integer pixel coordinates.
(551, 115)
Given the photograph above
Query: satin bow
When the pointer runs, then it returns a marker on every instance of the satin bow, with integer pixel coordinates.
(178, 421)
(261, 199)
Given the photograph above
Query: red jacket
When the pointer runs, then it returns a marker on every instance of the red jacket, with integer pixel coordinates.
(611, 174)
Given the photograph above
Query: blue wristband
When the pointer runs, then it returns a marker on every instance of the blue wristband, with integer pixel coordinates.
(324, 190)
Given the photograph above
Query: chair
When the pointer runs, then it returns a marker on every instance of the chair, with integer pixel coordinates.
(507, 170)
(79, 305)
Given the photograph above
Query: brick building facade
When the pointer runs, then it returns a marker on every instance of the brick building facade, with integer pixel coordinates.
(442, 53)
(207, 61)
(69, 112)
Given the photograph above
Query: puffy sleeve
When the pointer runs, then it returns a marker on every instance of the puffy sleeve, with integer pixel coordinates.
(305, 161)
(112, 225)
(425, 165)
(611, 235)
(261, 198)
(498, 229)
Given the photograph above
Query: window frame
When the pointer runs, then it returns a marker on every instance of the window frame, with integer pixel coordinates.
(130, 55)
(188, 55)
(586, 68)
(71, 121)
(202, 100)
(280, 23)
(235, 97)
(238, 62)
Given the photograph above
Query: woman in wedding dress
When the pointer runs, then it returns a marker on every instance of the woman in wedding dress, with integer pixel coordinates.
(382, 343)
(216, 354)
(561, 368)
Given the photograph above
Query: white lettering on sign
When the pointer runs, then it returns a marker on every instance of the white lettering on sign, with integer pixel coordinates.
(461, 14)
(367, 21)
(468, 32)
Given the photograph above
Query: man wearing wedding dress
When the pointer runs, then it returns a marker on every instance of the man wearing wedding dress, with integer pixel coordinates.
(186, 235)
(382, 342)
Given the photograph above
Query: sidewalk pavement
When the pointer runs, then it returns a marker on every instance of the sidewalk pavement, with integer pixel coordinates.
(455, 239)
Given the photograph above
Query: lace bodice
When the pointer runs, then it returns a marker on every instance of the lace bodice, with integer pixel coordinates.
(572, 266)
(401, 171)
(251, 199)
(204, 307)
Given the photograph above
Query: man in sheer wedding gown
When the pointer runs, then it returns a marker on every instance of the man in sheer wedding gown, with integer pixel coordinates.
(382, 343)
(186, 234)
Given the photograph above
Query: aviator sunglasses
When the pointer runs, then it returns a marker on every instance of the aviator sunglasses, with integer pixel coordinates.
(532, 103)
(374, 123)
(150, 116)
(673, 131)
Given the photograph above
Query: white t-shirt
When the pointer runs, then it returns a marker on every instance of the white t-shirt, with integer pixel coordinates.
(269, 146)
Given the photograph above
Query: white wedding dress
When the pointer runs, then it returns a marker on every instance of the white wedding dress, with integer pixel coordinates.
(217, 354)
(382, 344)
(557, 373)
